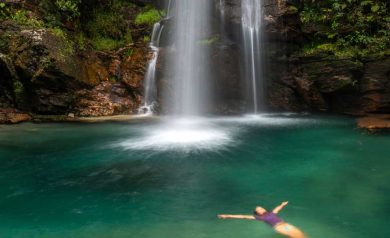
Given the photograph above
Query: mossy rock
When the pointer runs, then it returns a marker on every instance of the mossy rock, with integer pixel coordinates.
(332, 74)
(148, 17)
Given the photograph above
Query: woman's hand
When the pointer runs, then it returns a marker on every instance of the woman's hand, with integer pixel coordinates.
(222, 216)
(279, 208)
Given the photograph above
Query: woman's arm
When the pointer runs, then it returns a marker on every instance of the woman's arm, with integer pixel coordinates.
(247, 217)
(279, 208)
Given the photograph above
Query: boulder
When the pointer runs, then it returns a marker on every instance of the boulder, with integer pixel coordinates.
(375, 122)
(13, 116)
(104, 100)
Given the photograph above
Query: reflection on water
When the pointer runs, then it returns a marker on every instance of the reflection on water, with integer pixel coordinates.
(148, 179)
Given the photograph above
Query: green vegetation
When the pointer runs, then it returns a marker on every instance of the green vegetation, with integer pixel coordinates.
(4, 11)
(108, 44)
(18, 87)
(129, 52)
(108, 31)
(19, 91)
(67, 47)
(106, 24)
(102, 25)
(80, 41)
(147, 39)
(53, 13)
(69, 7)
(22, 17)
(347, 27)
(148, 17)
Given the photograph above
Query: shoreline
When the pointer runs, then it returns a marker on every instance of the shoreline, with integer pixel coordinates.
(370, 122)
(100, 119)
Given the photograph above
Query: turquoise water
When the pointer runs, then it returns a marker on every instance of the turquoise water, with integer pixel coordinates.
(141, 179)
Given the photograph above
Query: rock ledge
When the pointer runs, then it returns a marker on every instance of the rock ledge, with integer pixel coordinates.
(375, 122)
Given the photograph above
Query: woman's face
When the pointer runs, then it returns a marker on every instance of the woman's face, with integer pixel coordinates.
(260, 210)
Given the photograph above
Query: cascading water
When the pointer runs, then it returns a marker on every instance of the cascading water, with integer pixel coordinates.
(252, 36)
(189, 59)
(169, 7)
(150, 93)
(186, 82)
(221, 9)
(186, 78)
(221, 6)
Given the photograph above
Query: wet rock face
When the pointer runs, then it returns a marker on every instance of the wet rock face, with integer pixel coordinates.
(317, 83)
(232, 10)
(228, 86)
(329, 84)
(282, 21)
(7, 72)
(105, 99)
(375, 86)
(13, 116)
(281, 38)
(327, 77)
(42, 73)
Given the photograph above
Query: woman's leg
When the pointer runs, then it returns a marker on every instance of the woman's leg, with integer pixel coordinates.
(289, 230)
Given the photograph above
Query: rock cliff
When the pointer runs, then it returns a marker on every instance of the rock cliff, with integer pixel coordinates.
(296, 81)
(43, 71)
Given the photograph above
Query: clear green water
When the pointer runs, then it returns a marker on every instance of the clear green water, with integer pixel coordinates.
(117, 180)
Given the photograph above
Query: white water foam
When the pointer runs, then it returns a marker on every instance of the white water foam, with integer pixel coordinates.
(266, 119)
(184, 134)
(204, 134)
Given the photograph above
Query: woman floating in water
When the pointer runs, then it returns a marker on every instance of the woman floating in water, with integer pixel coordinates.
(271, 219)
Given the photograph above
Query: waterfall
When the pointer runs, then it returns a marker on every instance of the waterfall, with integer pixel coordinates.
(221, 6)
(150, 89)
(189, 60)
(169, 6)
(252, 37)
(221, 9)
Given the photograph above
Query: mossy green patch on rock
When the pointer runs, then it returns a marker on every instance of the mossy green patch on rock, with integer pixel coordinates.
(148, 17)
(108, 31)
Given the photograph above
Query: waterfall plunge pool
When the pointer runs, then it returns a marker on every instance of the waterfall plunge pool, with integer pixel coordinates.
(170, 178)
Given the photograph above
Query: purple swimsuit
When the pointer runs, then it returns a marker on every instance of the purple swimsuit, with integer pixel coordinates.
(270, 218)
